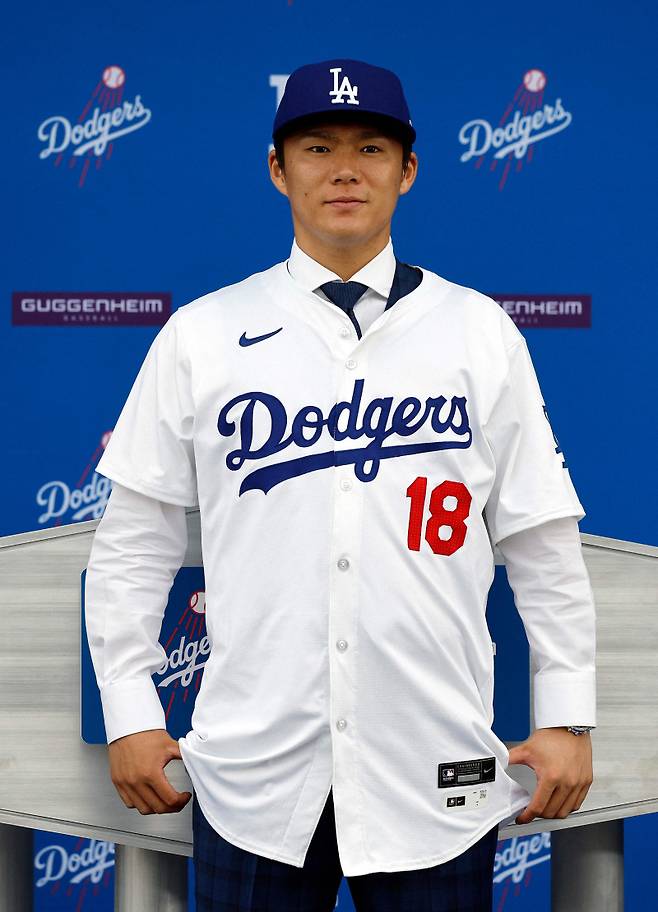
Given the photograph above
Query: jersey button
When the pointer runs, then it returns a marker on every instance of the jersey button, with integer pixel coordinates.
(342, 645)
(346, 484)
(341, 724)
(343, 563)
(351, 363)
(345, 331)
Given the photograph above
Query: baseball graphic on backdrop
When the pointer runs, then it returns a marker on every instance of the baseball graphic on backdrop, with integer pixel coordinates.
(114, 77)
(534, 80)
(197, 602)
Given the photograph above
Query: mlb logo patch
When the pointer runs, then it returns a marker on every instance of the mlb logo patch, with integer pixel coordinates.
(448, 774)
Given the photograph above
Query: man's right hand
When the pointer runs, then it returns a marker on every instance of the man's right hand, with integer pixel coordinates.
(137, 769)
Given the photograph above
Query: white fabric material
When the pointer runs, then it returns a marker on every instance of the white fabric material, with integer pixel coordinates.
(378, 274)
(158, 460)
(346, 490)
(553, 595)
(128, 594)
(136, 552)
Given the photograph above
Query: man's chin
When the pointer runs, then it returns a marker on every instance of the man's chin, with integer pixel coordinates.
(347, 230)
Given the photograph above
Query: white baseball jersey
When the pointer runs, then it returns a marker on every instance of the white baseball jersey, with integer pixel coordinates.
(349, 491)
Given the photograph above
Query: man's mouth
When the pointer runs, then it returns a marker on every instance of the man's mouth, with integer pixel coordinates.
(348, 202)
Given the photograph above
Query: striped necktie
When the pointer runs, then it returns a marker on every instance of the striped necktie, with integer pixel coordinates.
(344, 294)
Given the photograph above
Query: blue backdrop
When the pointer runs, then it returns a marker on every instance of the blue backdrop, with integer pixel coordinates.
(179, 202)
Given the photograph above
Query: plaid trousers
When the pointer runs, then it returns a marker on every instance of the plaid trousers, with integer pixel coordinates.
(231, 879)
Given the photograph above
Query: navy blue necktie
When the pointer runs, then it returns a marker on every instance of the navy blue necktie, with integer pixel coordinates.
(344, 294)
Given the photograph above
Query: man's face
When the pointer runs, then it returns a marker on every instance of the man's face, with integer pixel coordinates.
(331, 161)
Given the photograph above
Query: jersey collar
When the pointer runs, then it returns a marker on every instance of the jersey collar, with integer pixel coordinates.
(376, 274)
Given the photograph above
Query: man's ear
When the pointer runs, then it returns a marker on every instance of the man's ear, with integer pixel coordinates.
(409, 174)
(277, 174)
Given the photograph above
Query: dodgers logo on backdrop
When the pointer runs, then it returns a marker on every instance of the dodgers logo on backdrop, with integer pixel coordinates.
(338, 93)
(71, 861)
(105, 117)
(380, 419)
(515, 862)
(185, 656)
(84, 500)
(526, 120)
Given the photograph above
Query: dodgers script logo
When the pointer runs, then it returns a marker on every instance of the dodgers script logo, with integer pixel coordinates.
(184, 656)
(93, 134)
(515, 862)
(526, 120)
(380, 419)
(345, 88)
(86, 499)
(55, 865)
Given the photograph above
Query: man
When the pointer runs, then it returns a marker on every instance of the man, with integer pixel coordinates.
(357, 434)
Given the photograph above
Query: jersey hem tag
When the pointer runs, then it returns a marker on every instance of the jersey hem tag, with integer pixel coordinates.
(467, 772)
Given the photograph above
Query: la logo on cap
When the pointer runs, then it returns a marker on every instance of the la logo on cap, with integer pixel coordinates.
(345, 88)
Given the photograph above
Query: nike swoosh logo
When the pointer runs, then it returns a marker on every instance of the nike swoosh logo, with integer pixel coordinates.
(245, 341)
(487, 769)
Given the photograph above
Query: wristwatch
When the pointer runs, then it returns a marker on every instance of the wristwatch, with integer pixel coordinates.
(579, 729)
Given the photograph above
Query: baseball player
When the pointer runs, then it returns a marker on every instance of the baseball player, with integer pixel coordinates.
(358, 433)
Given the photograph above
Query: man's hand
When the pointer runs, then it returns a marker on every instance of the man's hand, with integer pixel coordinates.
(562, 762)
(137, 770)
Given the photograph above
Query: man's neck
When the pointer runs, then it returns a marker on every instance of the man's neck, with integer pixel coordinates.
(344, 261)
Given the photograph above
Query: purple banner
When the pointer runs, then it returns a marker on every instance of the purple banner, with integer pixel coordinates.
(90, 308)
(547, 311)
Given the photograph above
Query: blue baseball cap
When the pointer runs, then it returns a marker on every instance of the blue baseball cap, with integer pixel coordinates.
(347, 87)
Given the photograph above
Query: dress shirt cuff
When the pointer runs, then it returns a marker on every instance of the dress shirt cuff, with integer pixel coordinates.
(131, 706)
(564, 699)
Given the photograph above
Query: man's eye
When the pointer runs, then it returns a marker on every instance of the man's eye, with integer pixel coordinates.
(370, 146)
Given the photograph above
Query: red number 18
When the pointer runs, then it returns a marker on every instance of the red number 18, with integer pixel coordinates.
(439, 515)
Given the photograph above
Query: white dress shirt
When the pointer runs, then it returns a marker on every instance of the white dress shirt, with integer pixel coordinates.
(261, 767)
(377, 274)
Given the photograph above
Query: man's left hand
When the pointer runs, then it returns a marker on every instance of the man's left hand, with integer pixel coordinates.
(562, 763)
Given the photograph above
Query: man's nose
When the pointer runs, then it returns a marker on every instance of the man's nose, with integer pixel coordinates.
(346, 165)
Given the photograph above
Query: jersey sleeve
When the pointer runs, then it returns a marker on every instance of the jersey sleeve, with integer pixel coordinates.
(136, 552)
(554, 597)
(532, 482)
(151, 448)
